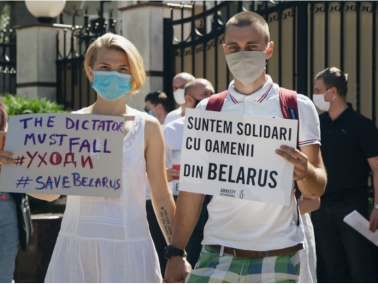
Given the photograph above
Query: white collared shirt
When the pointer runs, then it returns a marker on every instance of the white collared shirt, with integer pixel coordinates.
(173, 115)
(252, 225)
(173, 134)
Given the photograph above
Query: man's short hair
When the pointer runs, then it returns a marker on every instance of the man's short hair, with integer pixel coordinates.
(334, 77)
(247, 18)
(158, 97)
(190, 85)
(184, 75)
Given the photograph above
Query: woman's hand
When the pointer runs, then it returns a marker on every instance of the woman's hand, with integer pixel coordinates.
(6, 157)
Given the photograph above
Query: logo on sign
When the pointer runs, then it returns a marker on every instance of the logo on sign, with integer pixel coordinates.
(227, 192)
(241, 195)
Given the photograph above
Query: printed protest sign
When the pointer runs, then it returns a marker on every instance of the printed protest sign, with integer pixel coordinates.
(70, 154)
(234, 155)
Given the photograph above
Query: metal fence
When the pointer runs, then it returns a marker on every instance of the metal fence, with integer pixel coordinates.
(309, 36)
(8, 61)
(73, 88)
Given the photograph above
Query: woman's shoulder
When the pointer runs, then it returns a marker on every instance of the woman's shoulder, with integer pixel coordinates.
(133, 113)
(150, 122)
(81, 111)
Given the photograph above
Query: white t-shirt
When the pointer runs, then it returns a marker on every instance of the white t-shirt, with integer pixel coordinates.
(173, 133)
(252, 225)
(173, 115)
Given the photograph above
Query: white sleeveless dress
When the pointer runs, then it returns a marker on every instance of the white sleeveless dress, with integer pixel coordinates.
(107, 239)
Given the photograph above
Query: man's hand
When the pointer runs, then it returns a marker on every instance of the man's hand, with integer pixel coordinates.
(309, 169)
(374, 220)
(176, 270)
(297, 158)
(172, 173)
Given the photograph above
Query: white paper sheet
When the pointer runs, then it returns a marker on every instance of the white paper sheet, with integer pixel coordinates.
(361, 225)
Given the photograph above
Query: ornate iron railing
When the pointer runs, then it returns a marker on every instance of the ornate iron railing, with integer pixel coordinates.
(73, 88)
(309, 36)
(8, 55)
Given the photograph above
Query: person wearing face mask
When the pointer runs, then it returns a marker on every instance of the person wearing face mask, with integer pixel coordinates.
(250, 241)
(350, 152)
(178, 85)
(156, 104)
(195, 91)
(107, 239)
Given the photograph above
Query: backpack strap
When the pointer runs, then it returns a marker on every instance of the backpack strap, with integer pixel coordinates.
(289, 108)
(289, 104)
(215, 102)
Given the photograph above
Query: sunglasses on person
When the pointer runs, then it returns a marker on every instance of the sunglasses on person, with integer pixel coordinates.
(146, 109)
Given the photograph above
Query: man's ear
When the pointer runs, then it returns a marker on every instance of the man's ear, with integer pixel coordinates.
(90, 74)
(189, 100)
(159, 106)
(269, 50)
(334, 90)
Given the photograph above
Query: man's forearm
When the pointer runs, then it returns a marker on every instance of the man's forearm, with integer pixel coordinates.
(187, 213)
(314, 184)
(308, 205)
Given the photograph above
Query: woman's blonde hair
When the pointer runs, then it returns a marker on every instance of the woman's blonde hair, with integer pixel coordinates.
(117, 42)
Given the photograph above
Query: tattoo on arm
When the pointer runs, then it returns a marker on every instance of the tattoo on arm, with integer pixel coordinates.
(166, 223)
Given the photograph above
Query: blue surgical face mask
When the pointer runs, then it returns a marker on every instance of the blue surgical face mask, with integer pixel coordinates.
(111, 85)
(150, 112)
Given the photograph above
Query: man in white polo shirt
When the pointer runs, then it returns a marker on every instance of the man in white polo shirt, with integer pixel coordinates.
(178, 85)
(249, 241)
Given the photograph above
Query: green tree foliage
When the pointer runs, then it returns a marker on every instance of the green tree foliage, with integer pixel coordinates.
(4, 22)
(16, 104)
(5, 16)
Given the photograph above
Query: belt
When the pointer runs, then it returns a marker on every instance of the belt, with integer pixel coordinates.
(258, 254)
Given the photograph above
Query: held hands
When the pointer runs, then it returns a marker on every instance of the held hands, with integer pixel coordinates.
(297, 158)
(177, 269)
(172, 173)
(374, 220)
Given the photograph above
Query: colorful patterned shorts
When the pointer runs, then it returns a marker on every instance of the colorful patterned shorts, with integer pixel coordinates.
(212, 268)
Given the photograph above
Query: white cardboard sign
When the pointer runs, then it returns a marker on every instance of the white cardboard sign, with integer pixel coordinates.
(234, 155)
(69, 154)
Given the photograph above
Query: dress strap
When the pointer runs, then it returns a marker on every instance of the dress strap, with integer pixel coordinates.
(136, 132)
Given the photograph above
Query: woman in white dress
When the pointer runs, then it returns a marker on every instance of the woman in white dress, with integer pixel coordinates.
(107, 239)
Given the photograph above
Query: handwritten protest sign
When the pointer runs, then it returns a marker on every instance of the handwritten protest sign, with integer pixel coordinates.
(70, 154)
(234, 155)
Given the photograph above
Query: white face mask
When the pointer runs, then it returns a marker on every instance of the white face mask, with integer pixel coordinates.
(320, 102)
(246, 66)
(179, 96)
